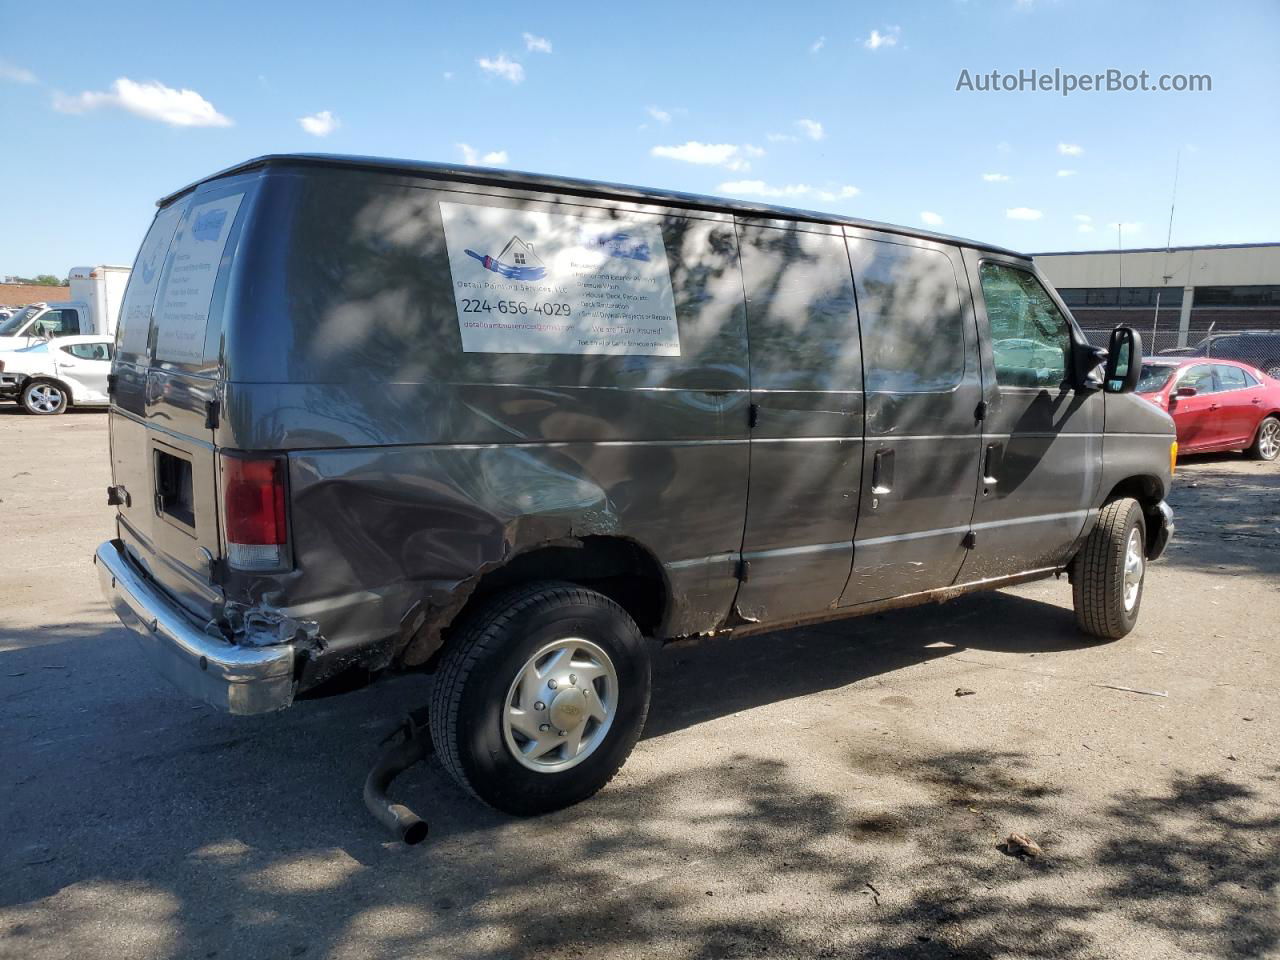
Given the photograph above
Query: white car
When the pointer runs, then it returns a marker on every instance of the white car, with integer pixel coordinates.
(51, 376)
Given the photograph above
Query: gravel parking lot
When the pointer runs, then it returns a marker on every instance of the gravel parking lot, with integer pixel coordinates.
(818, 792)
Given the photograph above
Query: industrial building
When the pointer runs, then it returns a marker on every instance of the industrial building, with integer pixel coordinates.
(1173, 296)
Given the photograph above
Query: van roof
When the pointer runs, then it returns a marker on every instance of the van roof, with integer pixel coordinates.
(586, 188)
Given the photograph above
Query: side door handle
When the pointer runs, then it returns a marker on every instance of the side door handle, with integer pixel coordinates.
(1213, 406)
(990, 463)
(882, 473)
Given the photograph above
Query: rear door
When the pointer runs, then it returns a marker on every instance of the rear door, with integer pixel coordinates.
(84, 367)
(806, 435)
(1041, 439)
(921, 443)
(167, 390)
(1238, 403)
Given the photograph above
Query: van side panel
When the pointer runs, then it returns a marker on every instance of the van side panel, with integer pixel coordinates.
(415, 467)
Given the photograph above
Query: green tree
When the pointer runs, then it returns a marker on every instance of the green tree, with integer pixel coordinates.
(47, 280)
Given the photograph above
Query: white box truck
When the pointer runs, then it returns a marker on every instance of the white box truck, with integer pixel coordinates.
(94, 308)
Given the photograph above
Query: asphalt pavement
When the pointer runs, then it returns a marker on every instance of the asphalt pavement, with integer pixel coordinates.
(818, 792)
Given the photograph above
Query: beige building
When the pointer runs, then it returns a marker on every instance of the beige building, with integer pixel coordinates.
(1172, 296)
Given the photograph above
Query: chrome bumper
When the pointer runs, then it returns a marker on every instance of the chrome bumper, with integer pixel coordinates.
(239, 680)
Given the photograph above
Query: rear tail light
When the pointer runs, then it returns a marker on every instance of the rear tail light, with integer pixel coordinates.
(254, 512)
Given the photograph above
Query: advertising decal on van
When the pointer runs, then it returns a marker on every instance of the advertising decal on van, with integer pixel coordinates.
(560, 284)
(183, 312)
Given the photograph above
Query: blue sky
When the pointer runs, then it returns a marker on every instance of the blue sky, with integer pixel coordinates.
(845, 106)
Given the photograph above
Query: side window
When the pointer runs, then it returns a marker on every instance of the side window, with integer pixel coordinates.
(1200, 377)
(801, 316)
(89, 351)
(58, 323)
(1030, 338)
(1230, 378)
(1250, 379)
(912, 322)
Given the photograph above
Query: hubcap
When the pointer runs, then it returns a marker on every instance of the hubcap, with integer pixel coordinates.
(1269, 442)
(560, 705)
(1133, 568)
(45, 398)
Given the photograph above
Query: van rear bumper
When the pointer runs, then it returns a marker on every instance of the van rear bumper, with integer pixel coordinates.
(239, 680)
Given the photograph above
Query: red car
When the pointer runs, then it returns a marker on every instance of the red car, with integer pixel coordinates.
(1216, 404)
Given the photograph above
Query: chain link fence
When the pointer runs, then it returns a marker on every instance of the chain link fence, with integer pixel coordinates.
(1258, 348)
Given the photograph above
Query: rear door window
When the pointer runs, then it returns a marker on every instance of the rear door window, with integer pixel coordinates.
(1230, 378)
(198, 255)
(140, 296)
(912, 321)
(1030, 338)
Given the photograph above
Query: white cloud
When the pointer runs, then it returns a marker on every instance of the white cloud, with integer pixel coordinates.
(929, 218)
(537, 44)
(887, 39)
(319, 124)
(1082, 218)
(844, 193)
(1023, 213)
(817, 44)
(471, 156)
(995, 177)
(662, 116)
(812, 129)
(759, 188)
(781, 137)
(1085, 228)
(448, 74)
(728, 155)
(1066, 173)
(16, 74)
(751, 150)
(502, 66)
(155, 101)
(1070, 149)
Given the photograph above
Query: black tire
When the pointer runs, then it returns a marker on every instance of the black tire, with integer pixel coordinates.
(474, 681)
(1098, 577)
(1266, 442)
(36, 396)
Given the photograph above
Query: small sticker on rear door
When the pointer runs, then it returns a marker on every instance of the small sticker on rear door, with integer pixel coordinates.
(525, 281)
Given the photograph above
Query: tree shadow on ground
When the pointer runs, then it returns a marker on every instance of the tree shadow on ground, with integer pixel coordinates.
(180, 832)
(1227, 515)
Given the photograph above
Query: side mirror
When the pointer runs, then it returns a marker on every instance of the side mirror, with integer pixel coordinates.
(1124, 360)
(1185, 392)
(1088, 363)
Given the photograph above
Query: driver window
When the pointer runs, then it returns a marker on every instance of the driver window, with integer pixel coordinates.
(1200, 377)
(57, 323)
(1030, 338)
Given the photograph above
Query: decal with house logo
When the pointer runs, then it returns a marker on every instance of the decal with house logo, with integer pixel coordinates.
(559, 283)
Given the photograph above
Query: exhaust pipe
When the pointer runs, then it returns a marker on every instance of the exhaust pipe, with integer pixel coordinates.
(397, 757)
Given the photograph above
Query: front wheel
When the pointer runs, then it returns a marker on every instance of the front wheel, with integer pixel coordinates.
(541, 697)
(1266, 445)
(1109, 571)
(44, 399)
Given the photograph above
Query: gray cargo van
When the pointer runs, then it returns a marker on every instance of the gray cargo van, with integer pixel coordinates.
(373, 415)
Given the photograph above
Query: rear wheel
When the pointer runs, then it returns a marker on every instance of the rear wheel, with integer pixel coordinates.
(1266, 445)
(44, 398)
(1109, 571)
(541, 697)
